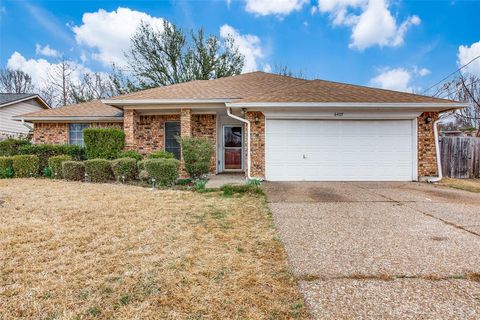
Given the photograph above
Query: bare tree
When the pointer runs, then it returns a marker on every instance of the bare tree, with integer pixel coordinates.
(284, 70)
(92, 86)
(59, 82)
(464, 88)
(15, 81)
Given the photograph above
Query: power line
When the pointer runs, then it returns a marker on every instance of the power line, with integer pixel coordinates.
(451, 74)
(448, 93)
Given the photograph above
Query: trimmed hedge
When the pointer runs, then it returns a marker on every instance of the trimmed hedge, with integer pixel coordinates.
(161, 155)
(103, 143)
(6, 167)
(45, 151)
(10, 147)
(55, 164)
(130, 154)
(25, 165)
(142, 173)
(126, 167)
(73, 170)
(99, 170)
(197, 155)
(164, 171)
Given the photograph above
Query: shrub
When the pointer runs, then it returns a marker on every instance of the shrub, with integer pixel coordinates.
(164, 171)
(161, 155)
(143, 175)
(103, 143)
(55, 164)
(130, 154)
(25, 165)
(47, 172)
(253, 182)
(124, 167)
(183, 182)
(200, 186)
(45, 151)
(197, 155)
(6, 168)
(73, 170)
(10, 147)
(141, 165)
(99, 170)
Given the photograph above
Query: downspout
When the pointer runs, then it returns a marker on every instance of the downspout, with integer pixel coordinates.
(437, 153)
(231, 115)
(30, 128)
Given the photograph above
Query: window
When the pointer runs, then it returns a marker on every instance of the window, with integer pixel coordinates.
(75, 133)
(172, 132)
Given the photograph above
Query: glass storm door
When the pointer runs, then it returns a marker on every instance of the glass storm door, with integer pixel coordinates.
(232, 146)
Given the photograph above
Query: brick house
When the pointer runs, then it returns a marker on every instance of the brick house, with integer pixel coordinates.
(270, 126)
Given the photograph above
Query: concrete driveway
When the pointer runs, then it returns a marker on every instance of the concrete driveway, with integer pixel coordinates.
(381, 250)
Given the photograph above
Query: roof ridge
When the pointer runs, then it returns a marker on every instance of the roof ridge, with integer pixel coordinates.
(382, 89)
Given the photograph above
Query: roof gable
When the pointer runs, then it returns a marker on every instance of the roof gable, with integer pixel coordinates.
(7, 99)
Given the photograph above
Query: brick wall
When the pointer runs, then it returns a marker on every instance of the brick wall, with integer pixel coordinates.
(427, 161)
(205, 125)
(57, 133)
(257, 144)
(149, 132)
(53, 133)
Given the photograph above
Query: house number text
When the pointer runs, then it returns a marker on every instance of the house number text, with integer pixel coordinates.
(338, 114)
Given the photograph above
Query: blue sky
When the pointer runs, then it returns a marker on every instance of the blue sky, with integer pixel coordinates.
(403, 45)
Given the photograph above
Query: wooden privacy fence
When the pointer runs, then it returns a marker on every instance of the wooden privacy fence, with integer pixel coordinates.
(460, 157)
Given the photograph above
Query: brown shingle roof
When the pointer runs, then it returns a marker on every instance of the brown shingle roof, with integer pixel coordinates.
(95, 108)
(236, 87)
(249, 87)
(328, 91)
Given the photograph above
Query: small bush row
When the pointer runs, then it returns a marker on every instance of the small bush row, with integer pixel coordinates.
(20, 166)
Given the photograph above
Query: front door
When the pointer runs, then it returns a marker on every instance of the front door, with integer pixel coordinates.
(232, 148)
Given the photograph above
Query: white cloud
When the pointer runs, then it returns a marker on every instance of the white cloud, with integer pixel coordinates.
(393, 79)
(467, 54)
(109, 33)
(267, 68)
(371, 21)
(422, 72)
(277, 7)
(248, 45)
(46, 51)
(39, 69)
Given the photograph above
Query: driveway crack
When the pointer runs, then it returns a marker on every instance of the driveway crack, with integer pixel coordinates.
(421, 211)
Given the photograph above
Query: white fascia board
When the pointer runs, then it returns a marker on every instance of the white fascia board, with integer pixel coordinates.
(70, 119)
(134, 102)
(336, 105)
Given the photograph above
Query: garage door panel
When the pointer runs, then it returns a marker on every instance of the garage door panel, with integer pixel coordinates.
(346, 150)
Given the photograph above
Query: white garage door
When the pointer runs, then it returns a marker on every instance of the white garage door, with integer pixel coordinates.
(344, 150)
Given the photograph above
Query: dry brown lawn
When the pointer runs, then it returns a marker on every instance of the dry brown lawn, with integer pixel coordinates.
(77, 251)
(472, 185)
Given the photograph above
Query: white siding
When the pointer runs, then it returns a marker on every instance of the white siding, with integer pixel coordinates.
(8, 125)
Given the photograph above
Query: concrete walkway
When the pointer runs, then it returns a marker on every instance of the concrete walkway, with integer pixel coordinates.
(218, 180)
(381, 250)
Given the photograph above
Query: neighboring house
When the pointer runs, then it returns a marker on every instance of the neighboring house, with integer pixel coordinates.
(14, 104)
(271, 126)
